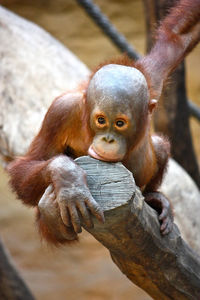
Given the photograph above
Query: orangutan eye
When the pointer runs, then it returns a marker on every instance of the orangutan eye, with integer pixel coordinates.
(101, 120)
(120, 123)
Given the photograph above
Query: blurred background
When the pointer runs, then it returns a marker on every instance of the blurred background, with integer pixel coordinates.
(85, 270)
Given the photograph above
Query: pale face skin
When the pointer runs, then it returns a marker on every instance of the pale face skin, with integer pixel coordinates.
(117, 95)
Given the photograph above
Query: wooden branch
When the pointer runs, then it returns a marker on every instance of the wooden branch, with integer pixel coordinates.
(165, 267)
(12, 286)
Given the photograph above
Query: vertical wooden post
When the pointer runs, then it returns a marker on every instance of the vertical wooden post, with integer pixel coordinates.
(172, 115)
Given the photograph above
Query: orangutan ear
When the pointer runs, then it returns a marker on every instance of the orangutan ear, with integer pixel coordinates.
(152, 105)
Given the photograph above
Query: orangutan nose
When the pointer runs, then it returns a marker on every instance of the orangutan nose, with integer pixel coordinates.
(108, 138)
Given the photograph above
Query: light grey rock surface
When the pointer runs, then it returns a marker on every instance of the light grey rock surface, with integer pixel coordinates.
(34, 69)
(184, 196)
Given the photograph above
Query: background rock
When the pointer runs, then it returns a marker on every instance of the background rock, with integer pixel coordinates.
(35, 68)
(184, 196)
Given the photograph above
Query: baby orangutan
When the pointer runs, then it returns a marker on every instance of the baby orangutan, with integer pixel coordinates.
(110, 121)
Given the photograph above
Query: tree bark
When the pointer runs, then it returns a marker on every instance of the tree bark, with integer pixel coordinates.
(172, 115)
(12, 286)
(165, 267)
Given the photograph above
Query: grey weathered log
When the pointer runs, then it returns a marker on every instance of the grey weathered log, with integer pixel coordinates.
(12, 286)
(166, 267)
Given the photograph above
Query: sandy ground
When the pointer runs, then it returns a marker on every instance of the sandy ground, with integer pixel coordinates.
(84, 271)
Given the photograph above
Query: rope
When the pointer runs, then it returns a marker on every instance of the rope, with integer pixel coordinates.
(194, 110)
(102, 21)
